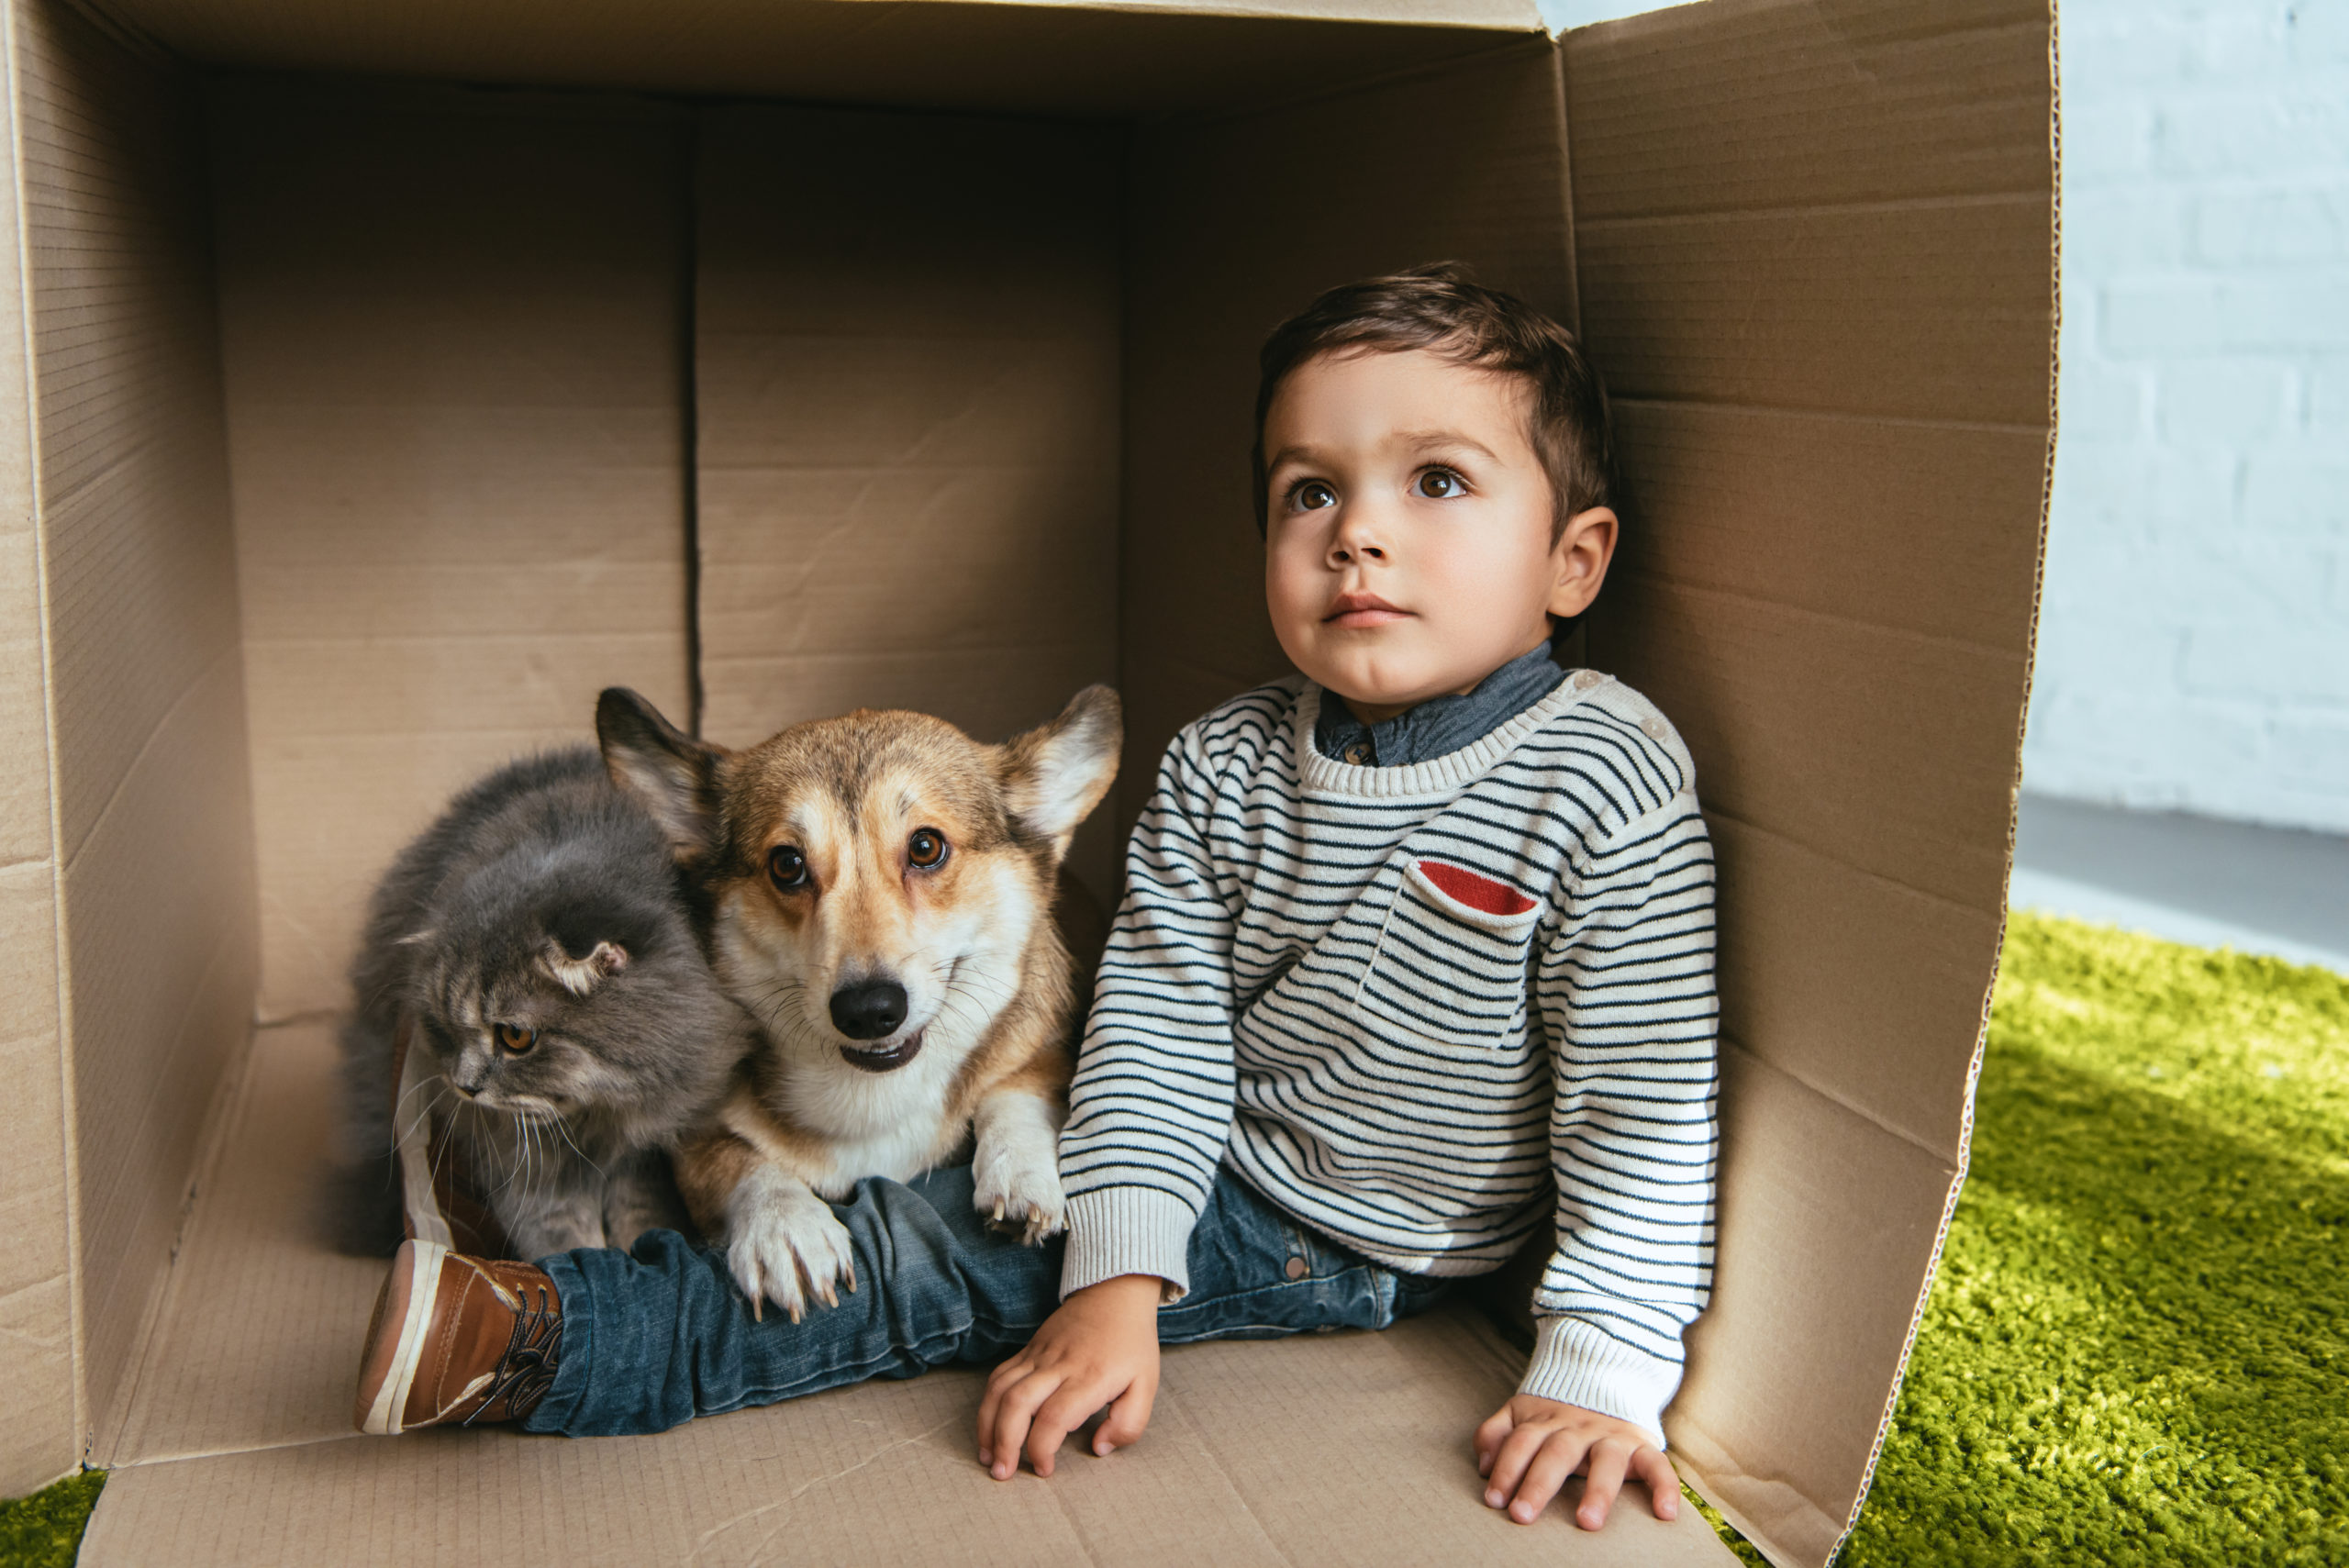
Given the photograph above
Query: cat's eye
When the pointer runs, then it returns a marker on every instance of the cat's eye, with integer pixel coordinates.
(787, 868)
(513, 1039)
(927, 849)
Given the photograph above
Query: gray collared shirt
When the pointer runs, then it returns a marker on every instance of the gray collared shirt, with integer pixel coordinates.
(1439, 726)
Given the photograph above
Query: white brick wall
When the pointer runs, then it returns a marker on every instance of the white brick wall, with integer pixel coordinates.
(2194, 636)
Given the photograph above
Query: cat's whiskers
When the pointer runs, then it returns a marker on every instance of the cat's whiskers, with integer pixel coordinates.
(434, 1080)
(446, 1152)
(559, 1127)
(440, 1088)
(528, 1172)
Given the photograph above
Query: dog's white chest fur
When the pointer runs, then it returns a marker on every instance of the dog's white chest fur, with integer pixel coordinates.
(874, 1124)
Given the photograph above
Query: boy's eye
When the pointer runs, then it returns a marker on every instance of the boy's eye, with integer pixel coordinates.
(1439, 485)
(1311, 496)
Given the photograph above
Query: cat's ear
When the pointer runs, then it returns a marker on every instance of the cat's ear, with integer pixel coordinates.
(669, 773)
(580, 976)
(1053, 777)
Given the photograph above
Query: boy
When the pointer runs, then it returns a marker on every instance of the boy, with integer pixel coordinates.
(1416, 953)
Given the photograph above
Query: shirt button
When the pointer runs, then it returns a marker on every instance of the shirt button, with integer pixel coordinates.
(1297, 1268)
(1654, 727)
(1586, 679)
(1354, 755)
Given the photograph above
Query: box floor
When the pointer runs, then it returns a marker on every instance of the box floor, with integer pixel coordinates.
(235, 1447)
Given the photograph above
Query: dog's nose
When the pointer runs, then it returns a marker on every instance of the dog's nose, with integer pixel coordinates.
(869, 1011)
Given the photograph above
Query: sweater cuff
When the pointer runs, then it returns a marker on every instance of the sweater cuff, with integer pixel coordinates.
(1577, 1364)
(1128, 1230)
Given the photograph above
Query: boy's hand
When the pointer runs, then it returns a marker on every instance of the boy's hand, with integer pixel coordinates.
(1100, 1348)
(1528, 1448)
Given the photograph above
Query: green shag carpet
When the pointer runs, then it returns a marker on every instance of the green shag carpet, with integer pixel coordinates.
(2138, 1348)
(44, 1530)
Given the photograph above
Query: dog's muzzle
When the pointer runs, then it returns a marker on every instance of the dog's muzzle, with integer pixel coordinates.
(887, 1059)
(874, 1009)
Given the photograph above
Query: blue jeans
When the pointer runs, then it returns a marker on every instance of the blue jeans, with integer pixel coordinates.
(657, 1336)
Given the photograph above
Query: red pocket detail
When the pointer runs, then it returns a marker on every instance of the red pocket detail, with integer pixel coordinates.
(1477, 892)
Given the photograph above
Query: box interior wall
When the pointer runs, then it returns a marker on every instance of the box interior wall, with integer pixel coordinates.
(377, 425)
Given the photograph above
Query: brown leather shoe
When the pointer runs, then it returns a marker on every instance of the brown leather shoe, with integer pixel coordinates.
(459, 1339)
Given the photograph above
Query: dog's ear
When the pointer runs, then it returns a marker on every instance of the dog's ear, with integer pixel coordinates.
(662, 769)
(1054, 776)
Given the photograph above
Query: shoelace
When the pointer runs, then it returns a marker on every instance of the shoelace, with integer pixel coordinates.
(525, 1371)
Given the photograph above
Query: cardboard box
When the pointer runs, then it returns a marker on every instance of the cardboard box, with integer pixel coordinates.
(775, 356)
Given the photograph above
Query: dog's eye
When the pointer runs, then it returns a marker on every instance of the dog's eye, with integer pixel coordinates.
(787, 868)
(515, 1039)
(927, 849)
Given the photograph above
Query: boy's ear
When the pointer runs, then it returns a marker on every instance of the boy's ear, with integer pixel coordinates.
(1585, 547)
(1054, 776)
(662, 769)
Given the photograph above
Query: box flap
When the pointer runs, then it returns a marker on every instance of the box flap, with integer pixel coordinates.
(1143, 57)
(1815, 242)
(41, 1439)
(152, 815)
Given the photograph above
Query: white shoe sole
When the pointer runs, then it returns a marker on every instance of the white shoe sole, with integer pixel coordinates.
(415, 1318)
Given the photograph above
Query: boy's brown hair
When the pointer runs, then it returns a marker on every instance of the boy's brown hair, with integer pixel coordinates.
(1435, 307)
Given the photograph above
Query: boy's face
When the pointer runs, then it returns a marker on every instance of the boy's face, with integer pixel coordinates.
(1407, 548)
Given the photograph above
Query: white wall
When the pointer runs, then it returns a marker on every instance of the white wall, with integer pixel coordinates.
(2194, 639)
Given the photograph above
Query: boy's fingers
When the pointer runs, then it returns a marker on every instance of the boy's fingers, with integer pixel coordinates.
(1490, 1434)
(1509, 1461)
(1011, 1418)
(1069, 1406)
(1128, 1417)
(1004, 1374)
(1559, 1458)
(1609, 1457)
(1663, 1482)
(988, 1403)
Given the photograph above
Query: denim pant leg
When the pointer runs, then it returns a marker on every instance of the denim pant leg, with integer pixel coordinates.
(655, 1337)
(1258, 1274)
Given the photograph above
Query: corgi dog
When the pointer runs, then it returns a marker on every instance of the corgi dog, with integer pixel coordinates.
(877, 894)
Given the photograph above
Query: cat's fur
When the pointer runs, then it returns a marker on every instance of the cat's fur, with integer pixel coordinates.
(546, 900)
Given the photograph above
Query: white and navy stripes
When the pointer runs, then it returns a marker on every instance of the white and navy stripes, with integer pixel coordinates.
(1419, 1008)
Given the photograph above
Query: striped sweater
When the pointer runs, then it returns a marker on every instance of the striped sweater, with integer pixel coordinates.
(1419, 1008)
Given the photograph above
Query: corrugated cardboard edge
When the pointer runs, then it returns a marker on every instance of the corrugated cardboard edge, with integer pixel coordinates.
(2038, 587)
(102, 1442)
(10, 46)
(42, 40)
(1475, 15)
(1486, 16)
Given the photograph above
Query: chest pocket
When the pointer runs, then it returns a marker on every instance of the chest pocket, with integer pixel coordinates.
(1451, 965)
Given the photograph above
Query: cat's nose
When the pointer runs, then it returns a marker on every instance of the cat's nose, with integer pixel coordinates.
(869, 1009)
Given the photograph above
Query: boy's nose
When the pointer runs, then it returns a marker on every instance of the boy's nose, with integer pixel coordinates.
(1357, 539)
(869, 1009)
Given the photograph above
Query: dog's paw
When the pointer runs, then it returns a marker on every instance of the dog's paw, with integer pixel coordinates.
(1016, 1189)
(784, 1245)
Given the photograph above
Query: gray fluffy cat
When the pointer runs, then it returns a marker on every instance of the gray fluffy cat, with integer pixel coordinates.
(534, 941)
